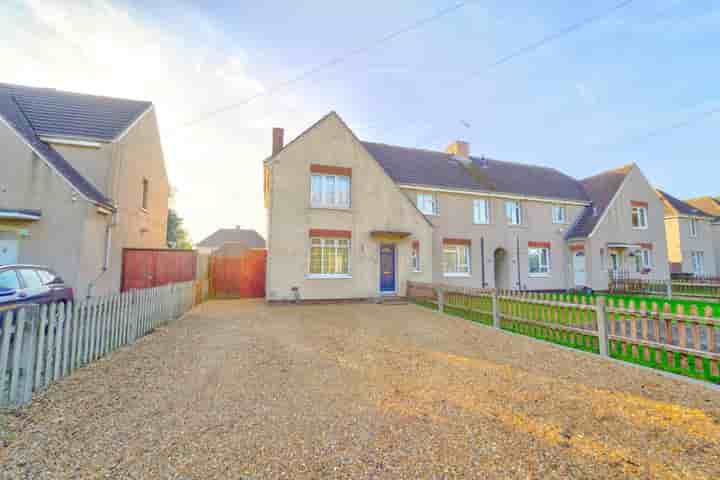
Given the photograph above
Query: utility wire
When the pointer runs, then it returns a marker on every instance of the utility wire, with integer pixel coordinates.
(546, 40)
(329, 64)
(668, 128)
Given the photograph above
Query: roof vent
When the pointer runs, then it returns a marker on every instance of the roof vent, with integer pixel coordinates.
(484, 162)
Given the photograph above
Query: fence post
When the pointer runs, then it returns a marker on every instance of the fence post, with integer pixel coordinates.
(668, 288)
(602, 326)
(495, 310)
(441, 300)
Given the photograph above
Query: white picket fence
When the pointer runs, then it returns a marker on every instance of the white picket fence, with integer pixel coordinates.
(41, 344)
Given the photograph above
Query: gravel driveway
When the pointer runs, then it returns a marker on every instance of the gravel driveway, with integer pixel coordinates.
(241, 390)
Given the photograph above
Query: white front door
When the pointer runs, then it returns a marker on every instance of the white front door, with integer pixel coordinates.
(579, 269)
(8, 251)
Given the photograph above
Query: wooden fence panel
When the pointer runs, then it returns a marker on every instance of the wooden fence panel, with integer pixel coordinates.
(40, 345)
(238, 277)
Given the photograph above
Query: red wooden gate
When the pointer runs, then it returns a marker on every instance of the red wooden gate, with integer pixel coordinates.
(150, 267)
(238, 277)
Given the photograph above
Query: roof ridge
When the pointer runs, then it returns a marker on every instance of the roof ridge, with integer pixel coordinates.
(612, 170)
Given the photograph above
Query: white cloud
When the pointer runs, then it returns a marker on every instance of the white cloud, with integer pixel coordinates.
(102, 48)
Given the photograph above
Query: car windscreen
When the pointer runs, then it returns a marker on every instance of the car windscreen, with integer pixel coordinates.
(9, 280)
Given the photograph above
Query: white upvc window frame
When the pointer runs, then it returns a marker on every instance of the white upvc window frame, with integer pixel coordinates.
(427, 203)
(544, 269)
(328, 197)
(328, 243)
(642, 214)
(559, 214)
(693, 227)
(698, 260)
(514, 216)
(459, 269)
(643, 260)
(614, 261)
(415, 258)
(481, 211)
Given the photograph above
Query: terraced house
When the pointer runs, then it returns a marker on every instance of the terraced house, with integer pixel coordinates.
(83, 177)
(349, 219)
(711, 207)
(690, 237)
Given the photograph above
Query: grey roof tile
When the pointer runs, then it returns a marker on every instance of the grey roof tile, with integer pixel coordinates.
(57, 113)
(438, 169)
(249, 238)
(600, 189)
(675, 206)
(11, 112)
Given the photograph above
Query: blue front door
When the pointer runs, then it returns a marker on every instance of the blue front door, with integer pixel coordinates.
(387, 268)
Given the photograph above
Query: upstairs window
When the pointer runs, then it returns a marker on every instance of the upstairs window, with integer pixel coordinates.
(145, 193)
(456, 260)
(329, 257)
(330, 191)
(539, 261)
(693, 227)
(513, 212)
(427, 203)
(639, 217)
(559, 215)
(481, 211)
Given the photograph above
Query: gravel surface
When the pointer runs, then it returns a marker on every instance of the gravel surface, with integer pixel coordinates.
(237, 389)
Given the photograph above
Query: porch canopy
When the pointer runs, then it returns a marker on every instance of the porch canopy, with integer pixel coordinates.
(389, 235)
(20, 214)
(623, 245)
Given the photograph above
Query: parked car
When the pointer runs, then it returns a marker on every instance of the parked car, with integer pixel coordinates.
(21, 284)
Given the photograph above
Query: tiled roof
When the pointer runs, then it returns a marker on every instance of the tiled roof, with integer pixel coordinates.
(675, 206)
(250, 238)
(439, 169)
(11, 112)
(600, 189)
(709, 205)
(56, 113)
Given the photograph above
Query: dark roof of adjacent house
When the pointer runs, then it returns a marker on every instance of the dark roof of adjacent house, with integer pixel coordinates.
(250, 238)
(11, 111)
(56, 113)
(601, 189)
(675, 206)
(438, 169)
(709, 205)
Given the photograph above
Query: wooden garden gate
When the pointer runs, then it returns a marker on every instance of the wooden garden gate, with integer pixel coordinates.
(238, 277)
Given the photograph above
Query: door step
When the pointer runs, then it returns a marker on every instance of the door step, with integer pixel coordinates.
(393, 300)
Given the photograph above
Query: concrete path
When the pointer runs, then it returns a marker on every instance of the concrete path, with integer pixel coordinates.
(241, 390)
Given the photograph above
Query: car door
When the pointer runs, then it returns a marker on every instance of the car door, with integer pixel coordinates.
(33, 290)
(49, 280)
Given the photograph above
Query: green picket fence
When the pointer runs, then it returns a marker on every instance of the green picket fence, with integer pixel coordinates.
(676, 336)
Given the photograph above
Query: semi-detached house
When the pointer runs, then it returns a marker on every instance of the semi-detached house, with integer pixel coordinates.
(349, 219)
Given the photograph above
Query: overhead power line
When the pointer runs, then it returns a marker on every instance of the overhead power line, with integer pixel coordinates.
(531, 47)
(329, 64)
(668, 128)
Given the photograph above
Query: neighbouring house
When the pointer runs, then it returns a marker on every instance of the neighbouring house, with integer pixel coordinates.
(84, 178)
(230, 242)
(711, 206)
(689, 232)
(349, 219)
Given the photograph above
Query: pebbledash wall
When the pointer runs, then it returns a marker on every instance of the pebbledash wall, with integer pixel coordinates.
(377, 204)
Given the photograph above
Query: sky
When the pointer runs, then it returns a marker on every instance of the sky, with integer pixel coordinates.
(635, 86)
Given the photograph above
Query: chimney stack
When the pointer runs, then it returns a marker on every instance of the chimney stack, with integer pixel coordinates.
(459, 149)
(277, 140)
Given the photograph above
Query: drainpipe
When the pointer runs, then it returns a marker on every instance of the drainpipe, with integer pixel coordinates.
(108, 254)
(517, 259)
(482, 261)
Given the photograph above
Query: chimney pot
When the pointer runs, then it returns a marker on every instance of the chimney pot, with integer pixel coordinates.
(459, 149)
(277, 140)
